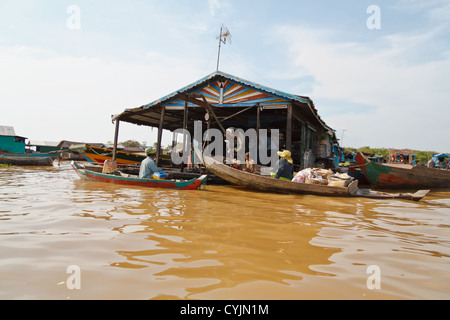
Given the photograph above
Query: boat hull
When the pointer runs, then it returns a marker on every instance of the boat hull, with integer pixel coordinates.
(100, 155)
(52, 155)
(269, 184)
(385, 176)
(88, 175)
(26, 161)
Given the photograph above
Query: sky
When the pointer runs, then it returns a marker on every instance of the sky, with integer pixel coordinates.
(377, 71)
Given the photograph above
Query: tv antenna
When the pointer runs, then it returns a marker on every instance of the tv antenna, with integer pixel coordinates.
(223, 37)
(342, 137)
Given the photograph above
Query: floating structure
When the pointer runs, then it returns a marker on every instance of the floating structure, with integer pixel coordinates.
(10, 142)
(13, 150)
(43, 146)
(221, 101)
(405, 156)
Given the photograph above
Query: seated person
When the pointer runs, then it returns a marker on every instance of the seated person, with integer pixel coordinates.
(148, 166)
(285, 166)
(249, 164)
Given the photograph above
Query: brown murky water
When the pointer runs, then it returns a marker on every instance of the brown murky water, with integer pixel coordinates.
(222, 243)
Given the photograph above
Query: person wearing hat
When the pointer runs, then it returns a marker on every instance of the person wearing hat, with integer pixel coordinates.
(285, 166)
(148, 166)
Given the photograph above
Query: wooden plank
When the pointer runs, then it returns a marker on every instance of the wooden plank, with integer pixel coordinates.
(258, 127)
(235, 114)
(303, 145)
(203, 103)
(211, 111)
(289, 128)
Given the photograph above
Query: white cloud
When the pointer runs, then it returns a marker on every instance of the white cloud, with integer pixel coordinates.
(214, 5)
(46, 96)
(410, 97)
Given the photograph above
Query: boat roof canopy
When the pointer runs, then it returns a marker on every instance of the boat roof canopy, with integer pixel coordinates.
(440, 155)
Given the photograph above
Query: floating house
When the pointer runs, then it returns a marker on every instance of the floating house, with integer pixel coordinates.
(221, 100)
(43, 146)
(10, 142)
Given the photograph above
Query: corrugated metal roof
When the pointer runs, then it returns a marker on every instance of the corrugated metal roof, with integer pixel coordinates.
(217, 74)
(43, 143)
(7, 131)
(145, 116)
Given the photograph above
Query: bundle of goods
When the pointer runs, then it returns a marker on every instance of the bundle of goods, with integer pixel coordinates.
(339, 180)
(322, 176)
(160, 175)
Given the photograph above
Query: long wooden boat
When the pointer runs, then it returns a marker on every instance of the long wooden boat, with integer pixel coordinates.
(132, 180)
(267, 184)
(18, 160)
(402, 176)
(100, 155)
(33, 155)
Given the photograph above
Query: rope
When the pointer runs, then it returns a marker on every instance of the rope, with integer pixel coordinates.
(101, 154)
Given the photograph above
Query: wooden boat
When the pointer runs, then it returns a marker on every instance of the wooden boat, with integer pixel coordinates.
(132, 180)
(53, 155)
(20, 160)
(402, 176)
(268, 184)
(100, 155)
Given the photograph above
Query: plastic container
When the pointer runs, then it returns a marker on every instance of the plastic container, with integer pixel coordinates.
(160, 175)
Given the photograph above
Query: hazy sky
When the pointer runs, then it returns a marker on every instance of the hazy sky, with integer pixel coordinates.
(377, 71)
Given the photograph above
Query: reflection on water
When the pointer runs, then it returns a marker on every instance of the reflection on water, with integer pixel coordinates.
(222, 243)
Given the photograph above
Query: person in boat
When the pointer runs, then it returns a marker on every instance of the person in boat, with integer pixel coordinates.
(148, 166)
(233, 146)
(285, 166)
(431, 163)
(442, 163)
(249, 164)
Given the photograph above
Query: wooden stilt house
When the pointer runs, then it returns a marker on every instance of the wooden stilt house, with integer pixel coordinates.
(230, 101)
(10, 142)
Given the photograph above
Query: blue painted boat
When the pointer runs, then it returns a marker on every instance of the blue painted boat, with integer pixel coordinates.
(131, 180)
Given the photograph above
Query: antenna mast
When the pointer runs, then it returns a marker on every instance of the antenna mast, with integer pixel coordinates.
(224, 35)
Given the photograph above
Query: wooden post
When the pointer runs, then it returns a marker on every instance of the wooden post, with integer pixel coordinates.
(202, 103)
(185, 123)
(185, 120)
(258, 127)
(160, 130)
(303, 145)
(174, 140)
(208, 107)
(116, 137)
(289, 127)
(308, 137)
